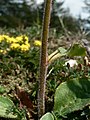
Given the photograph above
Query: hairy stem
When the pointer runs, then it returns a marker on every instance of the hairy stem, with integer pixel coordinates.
(43, 58)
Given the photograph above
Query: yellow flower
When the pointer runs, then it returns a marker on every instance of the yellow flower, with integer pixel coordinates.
(37, 43)
(27, 44)
(18, 38)
(19, 42)
(24, 47)
(15, 46)
(25, 38)
(5, 36)
(21, 38)
(3, 51)
(11, 40)
(1, 38)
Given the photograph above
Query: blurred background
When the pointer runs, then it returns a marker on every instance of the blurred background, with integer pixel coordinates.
(26, 13)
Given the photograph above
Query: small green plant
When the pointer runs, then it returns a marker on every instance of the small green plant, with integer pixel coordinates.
(73, 93)
(5, 105)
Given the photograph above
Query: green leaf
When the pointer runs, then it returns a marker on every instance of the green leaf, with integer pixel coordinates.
(76, 50)
(2, 89)
(5, 105)
(57, 54)
(62, 50)
(72, 95)
(47, 116)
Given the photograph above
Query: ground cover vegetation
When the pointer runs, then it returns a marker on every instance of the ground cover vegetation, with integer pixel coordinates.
(67, 94)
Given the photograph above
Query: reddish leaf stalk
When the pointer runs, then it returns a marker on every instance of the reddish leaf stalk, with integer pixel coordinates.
(43, 58)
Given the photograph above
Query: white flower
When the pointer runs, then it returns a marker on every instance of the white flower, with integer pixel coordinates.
(71, 62)
(86, 60)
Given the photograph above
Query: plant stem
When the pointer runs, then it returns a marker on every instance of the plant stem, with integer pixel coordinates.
(43, 58)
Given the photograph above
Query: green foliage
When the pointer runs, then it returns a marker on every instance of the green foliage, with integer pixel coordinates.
(71, 24)
(47, 116)
(2, 89)
(76, 50)
(21, 68)
(72, 95)
(27, 13)
(9, 12)
(62, 50)
(5, 105)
